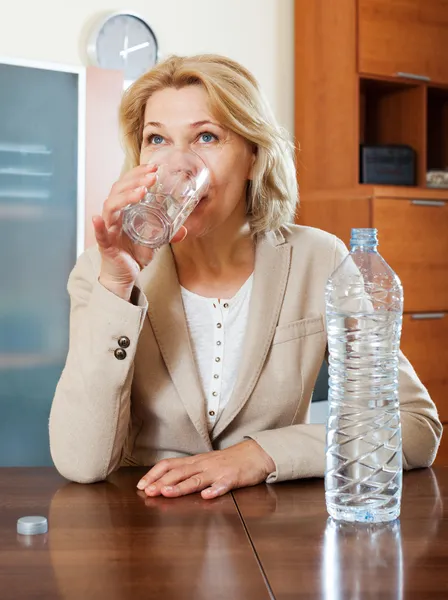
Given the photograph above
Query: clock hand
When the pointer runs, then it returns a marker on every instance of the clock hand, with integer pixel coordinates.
(127, 51)
(124, 52)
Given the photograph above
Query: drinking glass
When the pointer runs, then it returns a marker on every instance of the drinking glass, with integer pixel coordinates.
(181, 182)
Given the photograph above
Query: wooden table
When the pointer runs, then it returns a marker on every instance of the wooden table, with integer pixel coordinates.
(305, 555)
(108, 541)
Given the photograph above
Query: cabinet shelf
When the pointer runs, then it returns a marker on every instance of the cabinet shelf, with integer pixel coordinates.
(364, 191)
(437, 125)
(415, 114)
(407, 192)
(391, 112)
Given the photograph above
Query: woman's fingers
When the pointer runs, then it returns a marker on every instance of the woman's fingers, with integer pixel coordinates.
(140, 176)
(101, 233)
(128, 190)
(180, 235)
(200, 482)
(121, 259)
(195, 483)
(218, 488)
(114, 204)
(158, 471)
(171, 479)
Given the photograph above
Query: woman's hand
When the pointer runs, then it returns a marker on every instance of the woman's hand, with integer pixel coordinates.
(121, 259)
(213, 474)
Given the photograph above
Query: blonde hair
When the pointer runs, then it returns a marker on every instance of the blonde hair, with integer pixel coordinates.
(237, 102)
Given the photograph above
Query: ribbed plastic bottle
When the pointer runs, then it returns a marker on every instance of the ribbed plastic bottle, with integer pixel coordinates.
(364, 311)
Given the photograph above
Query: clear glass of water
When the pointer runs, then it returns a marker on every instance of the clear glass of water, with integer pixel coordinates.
(182, 181)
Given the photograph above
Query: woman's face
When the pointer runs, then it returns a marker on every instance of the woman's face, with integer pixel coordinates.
(181, 118)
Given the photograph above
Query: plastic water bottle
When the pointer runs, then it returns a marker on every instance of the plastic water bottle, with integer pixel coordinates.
(364, 304)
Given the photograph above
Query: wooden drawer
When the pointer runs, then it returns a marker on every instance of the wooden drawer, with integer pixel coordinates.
(413, 237)
(442, 455)
(425, 343)
(410, 37)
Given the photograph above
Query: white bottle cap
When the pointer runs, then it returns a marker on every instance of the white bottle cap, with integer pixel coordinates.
(32, 525)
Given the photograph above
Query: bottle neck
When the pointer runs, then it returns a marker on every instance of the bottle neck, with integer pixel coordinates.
(364, 240)
(363, 248)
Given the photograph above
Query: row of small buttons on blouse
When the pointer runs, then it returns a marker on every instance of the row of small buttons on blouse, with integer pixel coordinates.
(218, 359)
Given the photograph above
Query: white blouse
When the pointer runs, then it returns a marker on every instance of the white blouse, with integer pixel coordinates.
(217, 329)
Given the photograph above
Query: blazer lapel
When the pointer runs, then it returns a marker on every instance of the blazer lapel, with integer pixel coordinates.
(160, 284)
(272, 261)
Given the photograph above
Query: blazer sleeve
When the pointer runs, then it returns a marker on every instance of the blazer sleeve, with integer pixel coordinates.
(90, 414)
(299, 450)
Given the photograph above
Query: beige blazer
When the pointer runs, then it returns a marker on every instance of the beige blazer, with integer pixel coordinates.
(108, 412)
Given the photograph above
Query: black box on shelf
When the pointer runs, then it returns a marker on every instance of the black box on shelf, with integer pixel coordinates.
(387, 165)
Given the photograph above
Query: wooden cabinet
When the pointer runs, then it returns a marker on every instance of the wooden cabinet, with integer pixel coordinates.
(424, 342)
(413, 236)
(347, 94)
(403, 37)
(353, 59)
(442, 454)
(326, 91)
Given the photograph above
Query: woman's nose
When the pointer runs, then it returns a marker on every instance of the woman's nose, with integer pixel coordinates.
(180, 159)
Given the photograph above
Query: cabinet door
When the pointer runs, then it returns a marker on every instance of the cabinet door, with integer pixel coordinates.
(403, 36)
(38, 237)
(424, 342)
(442, 454)
(414, 241)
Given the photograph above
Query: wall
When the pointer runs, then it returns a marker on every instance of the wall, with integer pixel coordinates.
(258, 33)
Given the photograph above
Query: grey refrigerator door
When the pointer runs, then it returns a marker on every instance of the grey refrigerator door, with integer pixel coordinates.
(38, 243)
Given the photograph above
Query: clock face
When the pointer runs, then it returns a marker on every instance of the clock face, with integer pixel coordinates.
(124, 42)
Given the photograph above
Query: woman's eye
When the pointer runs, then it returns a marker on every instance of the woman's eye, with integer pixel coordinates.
(155, 140)
(207, 137)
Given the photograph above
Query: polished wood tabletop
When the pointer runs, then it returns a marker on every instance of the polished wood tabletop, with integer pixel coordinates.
(108, 540)
(306, 555)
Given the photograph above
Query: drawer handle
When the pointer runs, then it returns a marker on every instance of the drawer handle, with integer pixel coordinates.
(427, 316)
(428, 202)
(413, 76)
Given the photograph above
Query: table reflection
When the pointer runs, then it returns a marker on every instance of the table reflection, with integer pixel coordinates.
(370, 560)
(355, 554)
(109, 541)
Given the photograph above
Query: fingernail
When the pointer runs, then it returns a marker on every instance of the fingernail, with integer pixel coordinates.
(168, 488)
(141, 484)
(149, 176)
(150, 489)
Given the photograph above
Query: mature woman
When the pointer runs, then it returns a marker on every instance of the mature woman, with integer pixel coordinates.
(201, 358)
